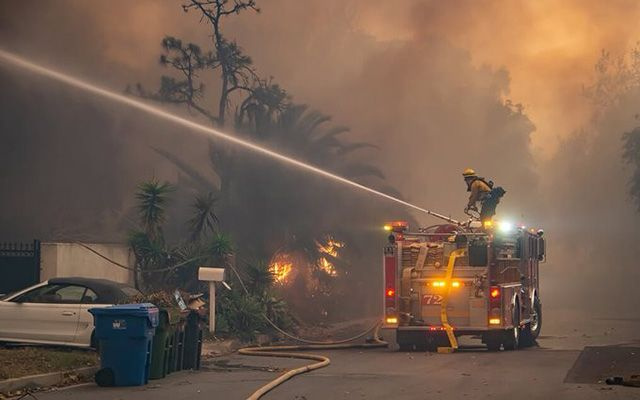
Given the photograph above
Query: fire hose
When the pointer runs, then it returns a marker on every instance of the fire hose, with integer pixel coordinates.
(286, 350)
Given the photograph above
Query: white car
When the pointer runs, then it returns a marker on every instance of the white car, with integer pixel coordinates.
(55, 312)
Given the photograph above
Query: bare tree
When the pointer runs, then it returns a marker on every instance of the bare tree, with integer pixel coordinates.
(237, 72)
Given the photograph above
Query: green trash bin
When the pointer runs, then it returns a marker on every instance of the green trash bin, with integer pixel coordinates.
(176, 355)
(163, 343)
(193, 334)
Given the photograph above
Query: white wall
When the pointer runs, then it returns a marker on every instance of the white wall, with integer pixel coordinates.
(72, 259)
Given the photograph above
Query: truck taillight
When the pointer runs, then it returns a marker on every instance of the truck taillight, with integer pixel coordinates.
(390, 294)
(495, 305)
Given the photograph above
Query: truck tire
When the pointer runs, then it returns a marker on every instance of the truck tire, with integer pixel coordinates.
(512, 336)
(493, 340)
(531, 330)
(493, 344)
(405, 347)
(537, 327)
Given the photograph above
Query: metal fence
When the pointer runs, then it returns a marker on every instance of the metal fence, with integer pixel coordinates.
(19, 266)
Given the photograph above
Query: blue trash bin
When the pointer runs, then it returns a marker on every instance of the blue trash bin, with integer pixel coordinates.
(124, 333)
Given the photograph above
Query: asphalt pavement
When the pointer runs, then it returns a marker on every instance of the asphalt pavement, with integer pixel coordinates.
(572, 358)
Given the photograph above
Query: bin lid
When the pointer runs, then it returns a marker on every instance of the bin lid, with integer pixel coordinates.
(147, 310)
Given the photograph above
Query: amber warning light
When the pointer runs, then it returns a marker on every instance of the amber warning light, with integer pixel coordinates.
(397, 226)
(391, 292)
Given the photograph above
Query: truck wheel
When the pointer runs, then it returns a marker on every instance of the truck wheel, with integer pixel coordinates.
(405, 347)
(493, 340)
(512, 336)
(531, 331)
(493, 345)
(536, 321)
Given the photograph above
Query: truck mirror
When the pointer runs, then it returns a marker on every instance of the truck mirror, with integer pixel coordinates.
(541, 249)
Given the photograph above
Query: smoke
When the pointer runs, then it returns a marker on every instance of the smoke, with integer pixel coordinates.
(426, 81)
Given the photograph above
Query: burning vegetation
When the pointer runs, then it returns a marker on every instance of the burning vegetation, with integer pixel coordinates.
(329, 252)
(281, 266)
(285, 267)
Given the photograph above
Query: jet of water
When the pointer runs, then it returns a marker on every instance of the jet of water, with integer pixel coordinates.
(18, 61)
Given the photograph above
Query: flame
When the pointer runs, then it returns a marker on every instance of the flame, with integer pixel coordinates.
(286, 267)
(281, 268)
(330, 248)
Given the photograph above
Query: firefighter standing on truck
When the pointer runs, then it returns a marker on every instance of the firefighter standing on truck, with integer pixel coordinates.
(483, 192)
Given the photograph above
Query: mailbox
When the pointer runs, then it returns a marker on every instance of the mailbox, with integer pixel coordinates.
(211, 275)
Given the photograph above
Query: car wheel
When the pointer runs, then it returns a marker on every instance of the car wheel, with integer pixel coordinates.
(95, 343)
(512, 336)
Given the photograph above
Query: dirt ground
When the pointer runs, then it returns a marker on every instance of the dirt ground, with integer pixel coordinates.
(16, 362)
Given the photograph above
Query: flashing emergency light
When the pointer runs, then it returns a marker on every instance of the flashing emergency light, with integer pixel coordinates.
(396, 226)
(505, 227)
(454, 284)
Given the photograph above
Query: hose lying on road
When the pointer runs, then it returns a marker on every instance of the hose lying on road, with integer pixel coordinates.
(322, 361)
(283, 351)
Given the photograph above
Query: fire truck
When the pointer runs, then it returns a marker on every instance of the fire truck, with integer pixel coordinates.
(450, 280)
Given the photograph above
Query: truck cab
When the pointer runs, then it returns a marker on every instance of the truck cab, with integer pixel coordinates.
(446, 281)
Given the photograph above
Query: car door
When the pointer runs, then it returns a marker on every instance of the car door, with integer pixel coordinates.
(47, 314)
(85, 321)
(10, 313)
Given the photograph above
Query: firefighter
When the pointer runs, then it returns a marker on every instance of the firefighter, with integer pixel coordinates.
(483, 192)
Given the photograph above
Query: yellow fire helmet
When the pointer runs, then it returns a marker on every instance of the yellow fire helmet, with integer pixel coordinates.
(469, 173)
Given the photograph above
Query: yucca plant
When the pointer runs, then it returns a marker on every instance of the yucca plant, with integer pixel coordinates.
(204, 221)
(259, 278)
(152, 198)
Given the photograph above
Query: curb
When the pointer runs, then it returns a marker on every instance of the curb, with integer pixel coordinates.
(43, 380)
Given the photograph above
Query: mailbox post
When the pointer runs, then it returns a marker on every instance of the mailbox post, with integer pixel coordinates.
(211, 275)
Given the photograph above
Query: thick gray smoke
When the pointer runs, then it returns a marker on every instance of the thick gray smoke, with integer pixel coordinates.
(70, 163)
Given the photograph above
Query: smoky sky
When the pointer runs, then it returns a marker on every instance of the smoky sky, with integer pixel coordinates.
(425, 81)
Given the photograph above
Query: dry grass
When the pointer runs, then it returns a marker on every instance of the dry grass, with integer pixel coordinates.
(22, 361)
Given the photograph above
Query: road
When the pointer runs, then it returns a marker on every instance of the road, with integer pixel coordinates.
(559, 368)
